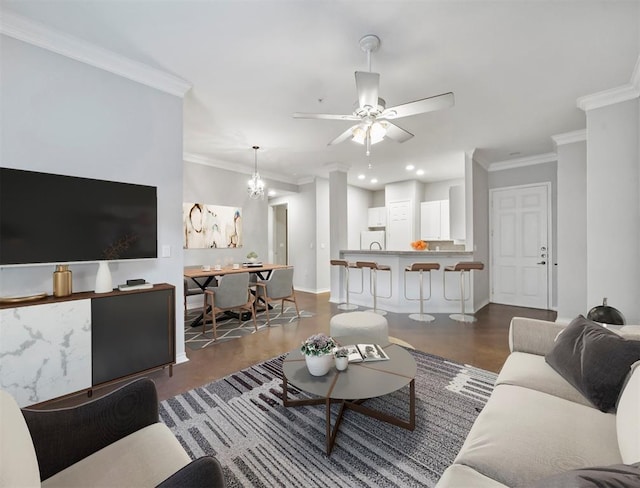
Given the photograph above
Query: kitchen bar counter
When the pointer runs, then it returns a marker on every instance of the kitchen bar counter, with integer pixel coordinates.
(398, 261)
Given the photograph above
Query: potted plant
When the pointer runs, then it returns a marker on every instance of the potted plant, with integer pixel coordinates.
(318, 353)
(252, 257)
(342, 358)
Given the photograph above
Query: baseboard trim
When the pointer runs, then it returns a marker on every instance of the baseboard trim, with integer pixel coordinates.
(315, 292)
(182, 358)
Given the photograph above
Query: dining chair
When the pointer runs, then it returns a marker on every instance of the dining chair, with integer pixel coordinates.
(279, 286)
(190, 289)
(232, 293)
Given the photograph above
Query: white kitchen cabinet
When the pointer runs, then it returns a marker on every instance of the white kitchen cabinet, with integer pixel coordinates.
(434, 220)
(377, 217)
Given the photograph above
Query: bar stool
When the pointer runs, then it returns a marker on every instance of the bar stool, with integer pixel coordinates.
(462, 267)
(373, 278)
(421, 268)
(346, 265)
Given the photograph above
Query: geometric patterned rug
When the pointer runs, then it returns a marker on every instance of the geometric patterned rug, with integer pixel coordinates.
(241, 421)
(230, 328)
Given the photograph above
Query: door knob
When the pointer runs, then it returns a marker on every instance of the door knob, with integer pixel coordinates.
(542, 262)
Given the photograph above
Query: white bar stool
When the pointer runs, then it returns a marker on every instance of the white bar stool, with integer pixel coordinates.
(420, 268)
(346, 265)
(373, 282)
(462, 267)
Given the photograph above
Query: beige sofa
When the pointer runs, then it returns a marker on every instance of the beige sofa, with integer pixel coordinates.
(536, 424)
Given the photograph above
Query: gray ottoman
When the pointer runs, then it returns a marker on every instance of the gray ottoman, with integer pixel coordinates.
(360, 323)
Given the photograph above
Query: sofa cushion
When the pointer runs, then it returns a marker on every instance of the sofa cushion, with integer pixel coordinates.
(628, 418)
(522, 435)
(461, 476)
(614, 476)
(145, 458)
(18, 463)
(594, 360)
(531, 371)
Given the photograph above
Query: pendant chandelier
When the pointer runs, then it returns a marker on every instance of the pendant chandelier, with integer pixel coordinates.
(255, 187)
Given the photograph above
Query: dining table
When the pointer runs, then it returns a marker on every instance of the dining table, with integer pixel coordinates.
(209, 273)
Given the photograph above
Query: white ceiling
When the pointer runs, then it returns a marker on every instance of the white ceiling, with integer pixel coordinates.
(516, 69)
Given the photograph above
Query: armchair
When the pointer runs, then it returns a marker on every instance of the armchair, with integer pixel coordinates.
(115, 440)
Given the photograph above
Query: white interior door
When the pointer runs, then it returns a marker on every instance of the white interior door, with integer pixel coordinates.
(399, 226)
(519, 246)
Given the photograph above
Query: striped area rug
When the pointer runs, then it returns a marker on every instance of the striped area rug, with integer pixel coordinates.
(241, 421)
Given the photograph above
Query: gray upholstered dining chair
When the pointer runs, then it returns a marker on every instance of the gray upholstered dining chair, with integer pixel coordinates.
(279, 286)
(232, 293)
(190, 289)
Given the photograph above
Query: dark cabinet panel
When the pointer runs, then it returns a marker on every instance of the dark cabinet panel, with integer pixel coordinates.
(132, 332)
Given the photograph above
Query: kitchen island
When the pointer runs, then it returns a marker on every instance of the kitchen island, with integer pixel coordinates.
(398, 261)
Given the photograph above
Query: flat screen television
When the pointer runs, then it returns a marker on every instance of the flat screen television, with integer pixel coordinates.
(48, 218)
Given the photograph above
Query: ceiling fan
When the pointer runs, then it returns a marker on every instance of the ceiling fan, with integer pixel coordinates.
(371, 114)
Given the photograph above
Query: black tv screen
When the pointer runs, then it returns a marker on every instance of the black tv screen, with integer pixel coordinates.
(47, 218)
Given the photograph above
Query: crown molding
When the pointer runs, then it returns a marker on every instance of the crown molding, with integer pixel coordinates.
(523, 161)
(306, 180)
(40, 35)
(570, 137)
(337, 167)
(236, 168)
(608, 97)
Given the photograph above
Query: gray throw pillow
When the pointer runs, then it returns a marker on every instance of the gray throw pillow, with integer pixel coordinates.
(614, 476)
(595, 360)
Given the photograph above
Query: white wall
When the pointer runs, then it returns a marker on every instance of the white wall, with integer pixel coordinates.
(613, 209)
(572, 230)
(359, 200)
(378, 198)
(62, 116)
(439, 190)
(215, 186)
(323, 237)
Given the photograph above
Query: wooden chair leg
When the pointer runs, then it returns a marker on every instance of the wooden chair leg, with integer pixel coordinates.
(204, 314)
(266, 309)
(213, 322)
(253, 315)
(295, 302)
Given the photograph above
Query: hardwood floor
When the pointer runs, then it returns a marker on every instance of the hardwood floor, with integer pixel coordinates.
(482, 344)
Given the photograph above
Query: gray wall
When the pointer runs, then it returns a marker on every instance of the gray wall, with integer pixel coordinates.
(572, 230)
(359, 200)
(62, 116)
(481, 279)
(215, 186)
(613, 210)
(526, 175)
(439, 190)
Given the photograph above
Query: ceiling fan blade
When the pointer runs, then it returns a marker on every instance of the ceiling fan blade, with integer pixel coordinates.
(299, 115)
(344, 136)
(396, 133)
(424, 105)
(367, 84)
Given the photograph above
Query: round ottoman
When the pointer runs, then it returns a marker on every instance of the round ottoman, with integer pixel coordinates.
(360, 323)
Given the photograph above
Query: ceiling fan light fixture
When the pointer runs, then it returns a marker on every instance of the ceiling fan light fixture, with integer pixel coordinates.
(376, 132)
(255, 186)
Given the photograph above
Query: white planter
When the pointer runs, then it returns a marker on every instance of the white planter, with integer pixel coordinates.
(319, 365)
(342, 363)
(103, 278)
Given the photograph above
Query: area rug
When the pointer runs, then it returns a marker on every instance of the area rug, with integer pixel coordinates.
(241, 421)
(230, 328)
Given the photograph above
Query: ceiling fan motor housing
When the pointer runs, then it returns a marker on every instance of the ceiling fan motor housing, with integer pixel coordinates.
(374, 111)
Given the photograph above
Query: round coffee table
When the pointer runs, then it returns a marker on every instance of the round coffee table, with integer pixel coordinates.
(353, 386)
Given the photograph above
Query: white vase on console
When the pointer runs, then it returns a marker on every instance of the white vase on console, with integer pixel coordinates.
(103, 278)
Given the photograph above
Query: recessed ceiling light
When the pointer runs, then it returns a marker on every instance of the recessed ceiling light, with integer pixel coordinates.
(374, 180)
(272, 193)
(361, 177)
(410, 167)
(420, 172)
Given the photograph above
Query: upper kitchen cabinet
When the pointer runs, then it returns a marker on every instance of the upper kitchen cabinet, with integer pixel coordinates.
(377, 217)
(434, 220)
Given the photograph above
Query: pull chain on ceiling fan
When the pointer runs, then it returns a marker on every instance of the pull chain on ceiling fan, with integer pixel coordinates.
(374, 119)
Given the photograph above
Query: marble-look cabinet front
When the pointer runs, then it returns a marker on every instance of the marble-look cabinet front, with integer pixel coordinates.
(45, 350)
